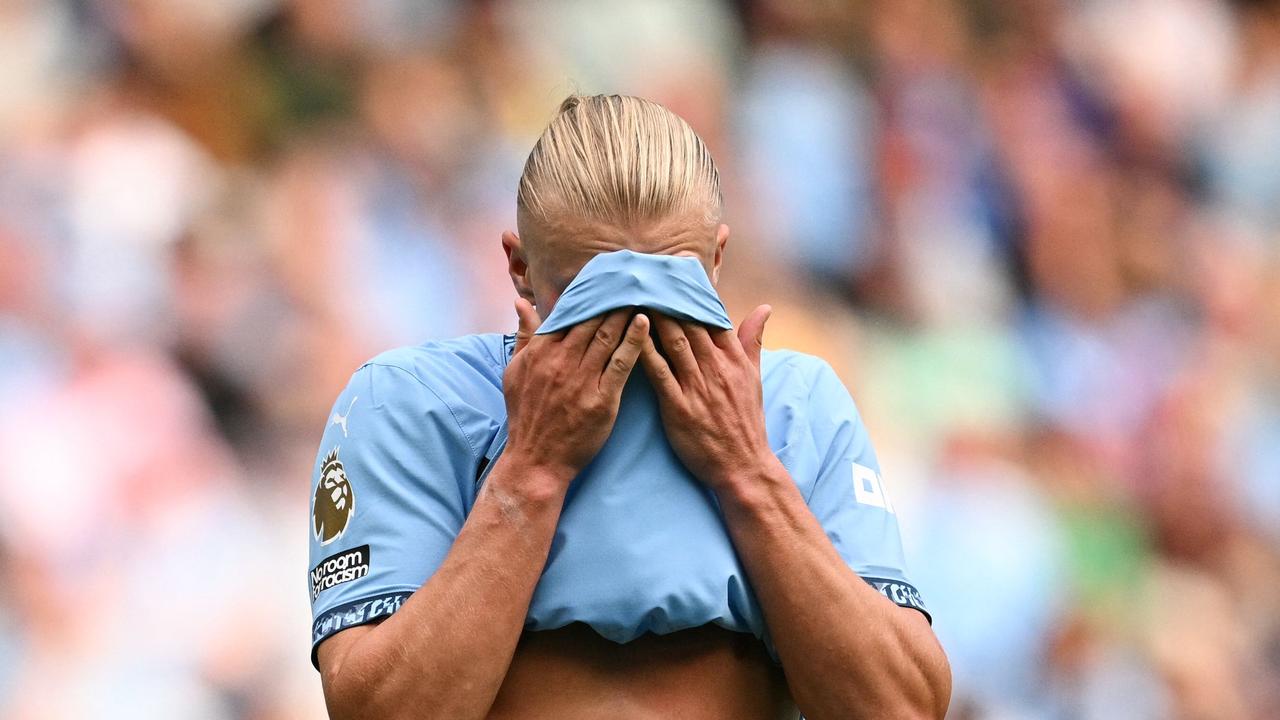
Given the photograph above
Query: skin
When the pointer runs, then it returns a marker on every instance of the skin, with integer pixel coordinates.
(457, 648)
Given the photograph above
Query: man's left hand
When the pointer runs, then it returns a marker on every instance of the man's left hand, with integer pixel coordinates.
(710, 396)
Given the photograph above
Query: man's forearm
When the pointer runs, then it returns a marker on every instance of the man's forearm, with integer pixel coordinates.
(446, 652)
(848, 652)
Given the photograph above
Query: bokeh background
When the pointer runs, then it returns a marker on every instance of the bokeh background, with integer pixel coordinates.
(1039, 239)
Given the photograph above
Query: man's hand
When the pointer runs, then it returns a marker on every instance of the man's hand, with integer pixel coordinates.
(710, 396)
(563, 389)
(849, 652)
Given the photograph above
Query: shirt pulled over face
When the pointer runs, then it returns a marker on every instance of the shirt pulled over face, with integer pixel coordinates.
(641, 545)
(676, 286)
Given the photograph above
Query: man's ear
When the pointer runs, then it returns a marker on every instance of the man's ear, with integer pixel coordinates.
(517, 265)
(722, 239)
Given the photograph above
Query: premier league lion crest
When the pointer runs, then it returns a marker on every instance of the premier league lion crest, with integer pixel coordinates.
(334, 501)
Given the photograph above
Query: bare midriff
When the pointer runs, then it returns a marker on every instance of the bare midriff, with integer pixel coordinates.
(707, 672)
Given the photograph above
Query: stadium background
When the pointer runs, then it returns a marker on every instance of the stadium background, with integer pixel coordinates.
(1040, 240)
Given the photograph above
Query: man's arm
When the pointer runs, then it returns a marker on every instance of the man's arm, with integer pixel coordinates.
(847, 651)
(446, 651)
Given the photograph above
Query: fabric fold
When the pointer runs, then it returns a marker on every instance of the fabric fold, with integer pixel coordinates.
(674, 285)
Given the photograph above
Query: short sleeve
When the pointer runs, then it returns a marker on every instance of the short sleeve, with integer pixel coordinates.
(389, 494)
(849, 496)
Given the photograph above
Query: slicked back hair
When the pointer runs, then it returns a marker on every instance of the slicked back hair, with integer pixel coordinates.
(618, 160)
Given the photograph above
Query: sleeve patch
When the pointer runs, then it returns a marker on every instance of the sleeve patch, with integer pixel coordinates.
(339, 568)
(900, 593)
(868, 488)
(334, 502)
(357, 613)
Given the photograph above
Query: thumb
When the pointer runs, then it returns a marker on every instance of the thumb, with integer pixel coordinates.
(751, 332)
(529, 323)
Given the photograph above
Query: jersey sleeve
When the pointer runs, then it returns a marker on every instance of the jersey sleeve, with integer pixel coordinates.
(849, 496)
(389, 494)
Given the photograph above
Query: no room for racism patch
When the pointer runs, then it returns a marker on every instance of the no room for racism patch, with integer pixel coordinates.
(339, 568)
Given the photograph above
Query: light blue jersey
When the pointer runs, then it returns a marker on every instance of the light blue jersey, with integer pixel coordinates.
(640, 546)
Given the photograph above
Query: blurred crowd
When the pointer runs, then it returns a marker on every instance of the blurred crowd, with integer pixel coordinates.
(1039, 239)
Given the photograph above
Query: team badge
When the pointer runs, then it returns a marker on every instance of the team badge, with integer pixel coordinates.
(334, 502)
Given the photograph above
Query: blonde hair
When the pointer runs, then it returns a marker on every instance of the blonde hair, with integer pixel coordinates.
(619, 160)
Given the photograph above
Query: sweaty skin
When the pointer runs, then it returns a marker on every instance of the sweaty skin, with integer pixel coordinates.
(457, 648)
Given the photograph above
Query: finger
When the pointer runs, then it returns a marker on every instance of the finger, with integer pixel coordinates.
(676, 347)
(624, 357)
(751, 332)
(724, 339)
(606, 338)
(700, 340)
(529, 322)
(660, 375)
(579, 335)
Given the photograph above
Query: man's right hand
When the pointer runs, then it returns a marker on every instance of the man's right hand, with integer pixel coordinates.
(563, 389)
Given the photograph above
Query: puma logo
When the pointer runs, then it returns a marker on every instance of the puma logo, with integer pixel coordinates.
(341, 420)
